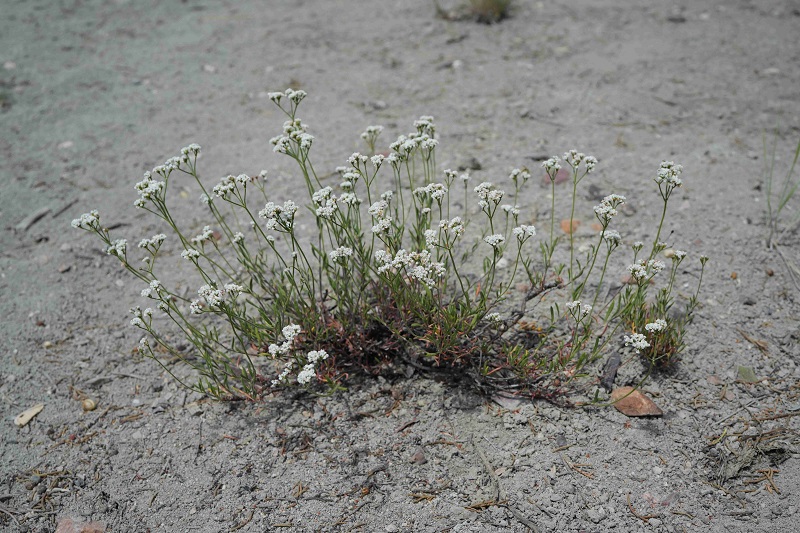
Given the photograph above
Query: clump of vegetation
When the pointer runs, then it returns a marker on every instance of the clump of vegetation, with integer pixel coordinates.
(404, 262)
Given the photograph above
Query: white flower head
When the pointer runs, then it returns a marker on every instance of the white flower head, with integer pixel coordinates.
(118, 248)
(340, 253)
(90, 220)
(307, 374)
(524, 232)
(654, 327)
(637, 341)
(495, 240)
(669, 173)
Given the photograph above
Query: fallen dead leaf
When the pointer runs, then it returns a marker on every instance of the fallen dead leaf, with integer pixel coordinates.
(570, 226)
(27, 415)
(631, 402)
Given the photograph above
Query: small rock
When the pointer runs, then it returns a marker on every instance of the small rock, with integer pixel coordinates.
(9, 65)
(391, 528)
(65, 145)
(631, 402)
(138, 435)
(68, 525)
(655, 522)
(657, 470)
(596, 515)
(211, 69)
(62, 268)
(418, 457)
(556, 497)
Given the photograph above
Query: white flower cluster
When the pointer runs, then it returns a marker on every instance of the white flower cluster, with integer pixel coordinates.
(276, 215)
(148, 188)
(215, 297)
(577, 308)
(679, 255)
(309, 371)
(486, 192)
(155, 241)
(206, 235)
(654, 327)
(138, 316)
(574, 158)
(431, 237)
(155, 285)
(607, 209)
(238, 237)
(454, 226)
(325, 202)
(342, 252)
(87, 221)
(669, 173)
(371, 133)
(435, 191)
(418, 265)
(226, 185)
(290, 333)
(294, 96)
(293, 131)
(519, 173)
(118, 248)
(494, 318)
(382, 225)
(495, 240)
(637, 341)
(512, 210)
(612, 237)
(641, 269)
(524, 232)
(191, 254)
(552, 165)
(193, 149)
(425, 125)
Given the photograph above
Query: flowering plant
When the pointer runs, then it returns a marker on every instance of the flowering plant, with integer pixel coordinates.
(398, 266)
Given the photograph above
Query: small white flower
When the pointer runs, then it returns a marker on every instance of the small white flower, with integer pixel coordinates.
(656, 266)
(306, 375)
(495, 240)
(190, 254)
(90, 220)
(431, 236)
(637, 341)
(195, 307)
(494, 318)
(341, 252)
(118, 248)
(290, 332)
(238, 237)
(316, 356)
(552, 165)
(382, 225)
(612, 237)
(512, 210)
(137, 323)
(659, 325)
(573, 305)
(679, 255)
(669, 173)
(639, 272)
(206, 235)
(524, 232)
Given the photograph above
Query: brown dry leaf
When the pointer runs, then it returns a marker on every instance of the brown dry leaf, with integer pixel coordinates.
(27, 415)
(597, 227)
(631, 402)
(570, 226)
(714, 380)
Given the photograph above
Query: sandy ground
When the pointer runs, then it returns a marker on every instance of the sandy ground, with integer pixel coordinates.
(93, 93)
